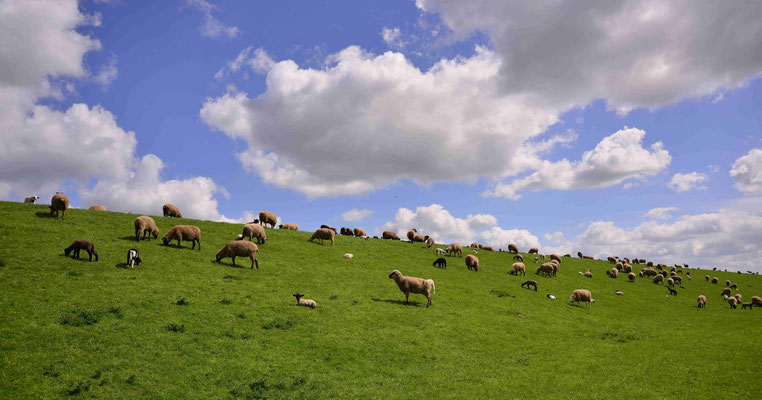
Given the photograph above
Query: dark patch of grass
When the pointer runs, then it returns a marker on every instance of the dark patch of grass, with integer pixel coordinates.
(231, 278)
(241, 316)
(117, 311)
(621, 338)
(79, 317)
(177, 328)
(78, 388)
(181, 301)
(131, 380)
(279, 323)
(501, 293)
(523, 361)
(333, 297)
(74, 273)
(50, 370)
(354, 302)
(226, 301)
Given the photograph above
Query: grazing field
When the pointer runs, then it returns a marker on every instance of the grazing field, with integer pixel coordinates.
(181, 325)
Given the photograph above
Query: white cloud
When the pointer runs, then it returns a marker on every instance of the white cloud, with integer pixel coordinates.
(107, 73)
(616, 158)
(356, 215)
(747, 171)
(479, 221)
(632, 54)
(212, 27)
(258, 60)
(500, 238)
(433, 220)
(660, 212)
(392, 37)
(685, 182)
(713, 168)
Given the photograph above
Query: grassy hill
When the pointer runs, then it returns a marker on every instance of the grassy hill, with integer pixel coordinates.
(184, 326)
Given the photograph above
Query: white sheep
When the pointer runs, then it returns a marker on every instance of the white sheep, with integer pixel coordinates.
(582, 295)
(409, 284)
(349, 256)
(304, 302)
(440, 251)
(31, 199)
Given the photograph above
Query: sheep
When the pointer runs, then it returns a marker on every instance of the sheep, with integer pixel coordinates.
(349, 256)
(78, 245)
(59, 202)
(419, 238)
(567, 255)
(513, 248)
(619, 293)
(31, 199)
(346, 231)
(440, 252)
(583, 295)
(734, 286)
(631, 276)
(627, 268)
(171, 210)
(678, 280)
(474, 245)
(727, 283)
(291, 227)
(701, 300)
(476, 251)
(518, 269)
(183, 232)
(613, 273)
(254, 231)
(488, 248)
(534, 250)
(440, 263)
(409, 284)
(133, 258)
(659, 279)
(359, 232)
(239, 248)
(145, 226)
(715, 280)
(670, 282)
(555, 257)
(746, 305)
(430, 241)
(588, 273)
(323, 233)
(757, 301)
(304, 302)
(472, 262)
(530, 283)
(738, 297)
(579, 254)
(587, 257)
(454, 248)
(390, 235)
(545, 269)
(411, 234)
(726, 292)
(732, 301)
(707, 278)
(611, 259)
(648, 272)
(672, 291)
(518, 257)
(267, 217)
(550, 296)
(536, 259)
(97, 207)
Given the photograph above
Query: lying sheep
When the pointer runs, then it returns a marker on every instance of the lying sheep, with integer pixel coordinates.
(518, 257)
(171, 210)
(550, 296)
(440, 263)
(304, 302)
(390, 235)
(733, 302)
(534, 250)
(581, 295)
(349, 255)
(419, 238)
(97, 207)
(513, 248)
(619, 293)
(701, 300)
(454, 248)
(440, 252)
(145, 225)
(183, 232)
(472, 263)
(291, 227)
(430, 241)
(252, 231)
(545, 269)
(530, 283)
(488, 248)
(267, 217)
(631, 276)
(588, 273)
(239, 248)
(518, 269)
(31, 199)
(359, 232)
(409, 284)
(59, 202)
(323, 234)
(78, 245)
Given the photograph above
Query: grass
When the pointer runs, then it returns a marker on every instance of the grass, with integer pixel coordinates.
(184, 326)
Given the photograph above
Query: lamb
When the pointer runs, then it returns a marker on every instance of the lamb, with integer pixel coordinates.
(171, 210)
(59, 202)
(440, 263)
(545, 269)
(746, 305)
(701, 300)
(183, 232)
(349, 255)
(631, 276)
(239, 248)
(97, 207)
(518, 257)
(550, 296)
(133, 258)
(145, 225)
(291, 227)
(472, 262)
(359, 232)
(409, 284)
(715, 280)
(430, 241)
(738, 297)
(534, 250)
(31, 199)
(582, 295)
(454, 248)
(733, 302)
(672, 291)
(659, 279)
(267, 217)
(619, 293)
(512, 248)
(390, 235)
(304, 302)
(254, 231)
(613, 273)
(530, 283)
(78, 245)
(440, 252)
(757, 301)
(323, 234)
(555, 257)
(518, 269)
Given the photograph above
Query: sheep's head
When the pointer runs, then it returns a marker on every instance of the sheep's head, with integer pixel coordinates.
(219, 256)
(592, 300)
(571, 300)
(395, 274)
(137, 260)
(298, 296)
(155, 233)
(165, 240)
(67, 251)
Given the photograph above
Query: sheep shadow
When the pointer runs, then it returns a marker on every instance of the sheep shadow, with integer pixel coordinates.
(82, 258)
(397, 302)
(230, 264)
(129, 238)
(41, 214)
(175, 246)
(122, 266)
(2, 263)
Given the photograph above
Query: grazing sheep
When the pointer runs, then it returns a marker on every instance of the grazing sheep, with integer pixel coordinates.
(534, 250)
(323, 234)
(725, 297)
(670, 282)
(454, 248)
(359, 232)
(536, 259)
(614, 273)
(726, 292)
(701, 300)
(239, 237)
(738, 297)
(440, 263)
(254, 231)
(390, 235)
(611, 259)
(488, 248)
(171, 210)
(145, 225)
(627, 268)
(649, 272)
(239, 248)
(183, 232)
(582, 295)
(78, 245)
(715, 280)
(550, 296)
(733, 302)
(518, 257)
(513, 248)
(659, 279)
(555, 257)
(579, 254)
(672, 291)
(349, 255)
(97, 207)
(31, 199)
(411, 234)
(518, 269)
(409, 284)
(474, 245)
(707, 278)
(619, 266)
(59, 202)
(678, 280)
(727, 283)
(472, 263)
(734, 286)
(757, 301)
(292, 227)
(267, 217)
(545, 269)
(588, 273)
(631, 276)
(567, 255)
(440, 252)
(133, 258)
(530, 283)
(746, 305)
(618, 293)
(304, 302)
(430, 241)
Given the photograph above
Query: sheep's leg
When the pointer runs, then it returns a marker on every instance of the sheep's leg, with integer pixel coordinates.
(234, 261)
(178, 242)
(199, 244)
(255, 262)
(90, 255)
(407, 298)
(193, 244)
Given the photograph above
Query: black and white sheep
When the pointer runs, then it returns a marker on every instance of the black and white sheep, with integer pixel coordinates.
(133, 258)
(304, 302)
(31, 199)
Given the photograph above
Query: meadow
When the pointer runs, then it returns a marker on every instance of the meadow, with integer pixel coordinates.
(181, 325)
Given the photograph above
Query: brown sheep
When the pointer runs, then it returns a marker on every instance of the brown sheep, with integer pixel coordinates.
(614, 273)
(254, 231)
(659, 279)
(59, 202)
(588, 274)
(534, 250)
(359, 232)
(145, 225)
(409, 284)
(513, 248)
(582, 295)
(732, 301)
(611, 259)
(323, 234)
(631, 276)
(627, 268)
(475, 245)
(291, 227)
(678, 279)
(518, 257)
(78, 245)
(648, 272)
(472, 263)
(555, 257)
(725, 292)
(239, 248)
(267, 217)
(430, 241)
(183, 232)
(701, 300)
(715, 280)
(411, 234)
(757, 301)
(171, 210)
(518, 269)
(545, 269)
(390, 235)
(488, 248)
(454, 248)
(671, 282)
(738, 297)
(97, 207)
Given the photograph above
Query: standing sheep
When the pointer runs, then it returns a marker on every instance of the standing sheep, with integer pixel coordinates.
(738, 297)
(631, 276)
(97, 207)
(31, 199)
(472, 263)
(518, 269)
(440, 263)
(534, 250)
(78, 245)
(733, 302)
(454, 248)
(411, 234)
(304, 302)
(671, 282)
(555, 257)
(323, 234)
(581, 295)
(171, 210)
(513, 248)
(183, 232)
(440, 252)
(757, 301)
(727, 283)
(291, 227)
(390, 235)
(239, 248)
(613, 273)
(659, 279)
(715, 280)
(267, 217)
(254, 231)
(359, 232)
(518, 257)
(133, 258)
(409, 284)
(701, 300)
(430, 241)
(726, 292)
(347, 231)
(145, 225)
(59, 202)
(545, 269)
(530, 283)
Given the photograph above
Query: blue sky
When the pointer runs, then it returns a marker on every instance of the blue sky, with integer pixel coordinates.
(622, 130)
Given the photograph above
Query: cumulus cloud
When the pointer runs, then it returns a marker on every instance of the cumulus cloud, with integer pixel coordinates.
(257, 60)
(107, 73)
(616, 158)
(356, 215)
(630, 53)
(747, 171)
(481, 221)
(436, 221)
(392, 37)
(685, 182)
(500, 238)
(212, 27)
(660, 212)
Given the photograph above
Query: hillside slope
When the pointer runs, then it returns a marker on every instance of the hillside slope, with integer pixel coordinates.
(184, 326)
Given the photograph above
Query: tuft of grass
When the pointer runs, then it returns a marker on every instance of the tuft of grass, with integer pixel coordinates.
(177, 328)
(181, 301)
(231, 278)
(116, 311)
(226, 301)
(79, 317)
(279, 323)
(501, 293)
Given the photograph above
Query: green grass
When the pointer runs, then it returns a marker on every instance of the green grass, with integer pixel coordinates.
(181, 325)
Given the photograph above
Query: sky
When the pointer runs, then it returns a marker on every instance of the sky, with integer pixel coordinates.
(628, 128)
